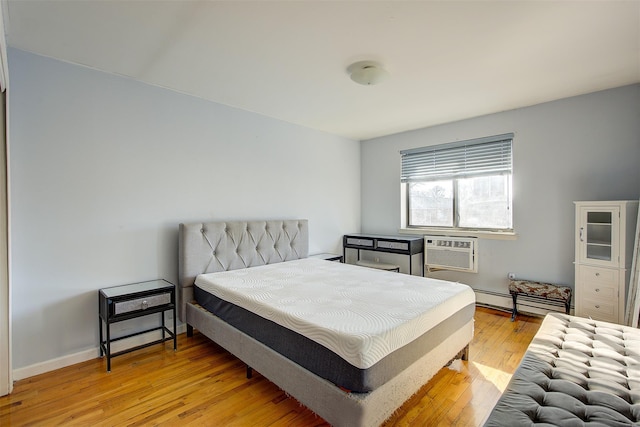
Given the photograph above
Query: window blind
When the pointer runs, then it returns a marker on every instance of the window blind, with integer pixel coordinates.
(482, 156)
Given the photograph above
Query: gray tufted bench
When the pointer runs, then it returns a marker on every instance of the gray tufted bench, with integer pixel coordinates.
(576, 372)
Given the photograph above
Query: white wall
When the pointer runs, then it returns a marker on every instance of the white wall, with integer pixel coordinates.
(103, 169)
(580, 148)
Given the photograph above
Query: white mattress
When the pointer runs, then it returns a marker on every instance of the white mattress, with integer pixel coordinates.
(359, 313)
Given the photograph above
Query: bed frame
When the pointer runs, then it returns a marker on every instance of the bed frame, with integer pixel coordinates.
(220, 246)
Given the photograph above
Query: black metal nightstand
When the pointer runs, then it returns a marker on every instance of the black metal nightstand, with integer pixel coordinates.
(403, 245)
(125, 302)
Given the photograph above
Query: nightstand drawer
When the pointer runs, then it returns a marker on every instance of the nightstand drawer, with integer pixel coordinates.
(141, 303)
(355, 242)
(400, 246)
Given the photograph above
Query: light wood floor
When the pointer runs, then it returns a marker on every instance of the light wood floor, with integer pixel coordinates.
(203, 385)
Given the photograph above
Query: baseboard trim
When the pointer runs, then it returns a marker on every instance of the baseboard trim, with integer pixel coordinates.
(81, 356)
(525, 305)
(53, 364)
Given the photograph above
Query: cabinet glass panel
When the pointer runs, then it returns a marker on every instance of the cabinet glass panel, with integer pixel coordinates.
(599, 217)
(599, 252)
(599, 235)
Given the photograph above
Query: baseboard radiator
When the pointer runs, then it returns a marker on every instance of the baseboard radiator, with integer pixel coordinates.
(503, 301)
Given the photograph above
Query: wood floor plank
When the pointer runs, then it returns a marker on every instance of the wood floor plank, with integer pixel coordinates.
(202, 384)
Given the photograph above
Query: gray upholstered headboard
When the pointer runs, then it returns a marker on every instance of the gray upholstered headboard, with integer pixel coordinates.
(230, 245)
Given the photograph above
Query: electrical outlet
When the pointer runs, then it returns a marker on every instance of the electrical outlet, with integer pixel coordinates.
(511, 276)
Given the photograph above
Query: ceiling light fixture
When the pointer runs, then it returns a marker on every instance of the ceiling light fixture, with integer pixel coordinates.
(367, 72)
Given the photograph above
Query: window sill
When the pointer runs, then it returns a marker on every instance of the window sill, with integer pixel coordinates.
(491, 235)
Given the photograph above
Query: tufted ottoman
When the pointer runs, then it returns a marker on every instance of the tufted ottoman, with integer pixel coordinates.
(576, 372)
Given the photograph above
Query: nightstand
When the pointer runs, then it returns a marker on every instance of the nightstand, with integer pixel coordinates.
(126, 302)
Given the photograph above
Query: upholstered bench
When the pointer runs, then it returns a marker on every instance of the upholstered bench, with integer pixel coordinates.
(576, 372)
(545, 291)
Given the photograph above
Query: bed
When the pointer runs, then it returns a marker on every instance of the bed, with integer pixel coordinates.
(228, 273)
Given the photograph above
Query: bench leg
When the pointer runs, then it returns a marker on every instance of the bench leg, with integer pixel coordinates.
(514, 313)
(567, 306)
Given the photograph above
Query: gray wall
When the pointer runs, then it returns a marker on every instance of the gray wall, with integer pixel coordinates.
(104, 168)
(580, 148)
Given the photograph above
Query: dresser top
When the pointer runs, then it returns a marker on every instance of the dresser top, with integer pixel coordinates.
(134, 288)
(380, 236)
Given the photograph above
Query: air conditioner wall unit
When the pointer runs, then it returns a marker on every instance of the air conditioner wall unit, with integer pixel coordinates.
(451, 253)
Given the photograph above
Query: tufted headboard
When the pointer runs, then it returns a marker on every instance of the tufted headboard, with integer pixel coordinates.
(230, 245)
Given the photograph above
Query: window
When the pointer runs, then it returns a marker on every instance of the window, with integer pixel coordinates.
(461, 185)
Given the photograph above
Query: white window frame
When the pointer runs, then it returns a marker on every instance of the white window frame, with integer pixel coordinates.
(470, 158)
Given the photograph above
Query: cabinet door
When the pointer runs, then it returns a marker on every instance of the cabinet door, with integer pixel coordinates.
(598, 236)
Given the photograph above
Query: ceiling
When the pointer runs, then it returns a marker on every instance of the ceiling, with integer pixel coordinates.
(447, 60)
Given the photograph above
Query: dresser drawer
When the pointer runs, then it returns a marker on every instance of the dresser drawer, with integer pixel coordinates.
(128, 306)
(598, 293)
(598, 275)
(594, 290)
(606, 311)
(599, 284)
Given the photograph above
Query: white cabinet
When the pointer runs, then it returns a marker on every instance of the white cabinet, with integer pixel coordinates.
(604, 245)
